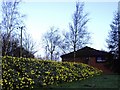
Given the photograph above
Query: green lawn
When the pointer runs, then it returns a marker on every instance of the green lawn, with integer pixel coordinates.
(102, 81)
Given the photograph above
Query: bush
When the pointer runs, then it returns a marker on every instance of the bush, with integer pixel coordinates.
(27, 73)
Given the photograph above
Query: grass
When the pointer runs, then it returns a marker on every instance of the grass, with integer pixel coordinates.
(102, 81)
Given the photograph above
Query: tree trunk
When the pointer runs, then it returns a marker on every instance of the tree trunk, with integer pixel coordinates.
(74, 52)
(21, 42)
(51, 55)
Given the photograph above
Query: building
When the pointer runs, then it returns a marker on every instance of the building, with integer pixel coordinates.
(90, 56)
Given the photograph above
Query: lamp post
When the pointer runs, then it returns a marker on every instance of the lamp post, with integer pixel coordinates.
(21, 42)
(21, 28)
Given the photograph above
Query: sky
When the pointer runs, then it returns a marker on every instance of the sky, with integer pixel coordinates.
(40, 16)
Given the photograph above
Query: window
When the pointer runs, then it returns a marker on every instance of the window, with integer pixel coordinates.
(101, 59)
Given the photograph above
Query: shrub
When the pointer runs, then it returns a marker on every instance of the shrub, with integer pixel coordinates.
(27, 73)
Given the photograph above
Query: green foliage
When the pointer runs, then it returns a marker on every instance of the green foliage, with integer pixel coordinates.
(26, 73)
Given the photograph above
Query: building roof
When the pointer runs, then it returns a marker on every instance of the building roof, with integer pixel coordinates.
(86, 52)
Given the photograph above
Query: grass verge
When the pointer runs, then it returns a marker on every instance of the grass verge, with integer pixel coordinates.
(102, 81)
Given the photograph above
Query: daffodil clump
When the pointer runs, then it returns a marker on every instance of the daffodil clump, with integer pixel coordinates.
(26, 73)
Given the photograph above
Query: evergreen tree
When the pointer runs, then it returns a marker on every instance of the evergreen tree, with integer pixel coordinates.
(113, 42)
(113, 38)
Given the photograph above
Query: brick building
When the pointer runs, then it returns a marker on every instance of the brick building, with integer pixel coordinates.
(90, 56)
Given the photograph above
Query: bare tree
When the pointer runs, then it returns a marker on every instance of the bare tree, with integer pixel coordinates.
(78, 36)
(11, 19)
(12, 44)
(29, 44)
(52, 40)
(64, 45)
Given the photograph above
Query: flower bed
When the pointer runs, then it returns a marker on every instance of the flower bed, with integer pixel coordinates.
(26, 73)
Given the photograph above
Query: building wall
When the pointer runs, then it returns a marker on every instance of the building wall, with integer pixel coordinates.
(100, 65)
(91, 62)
